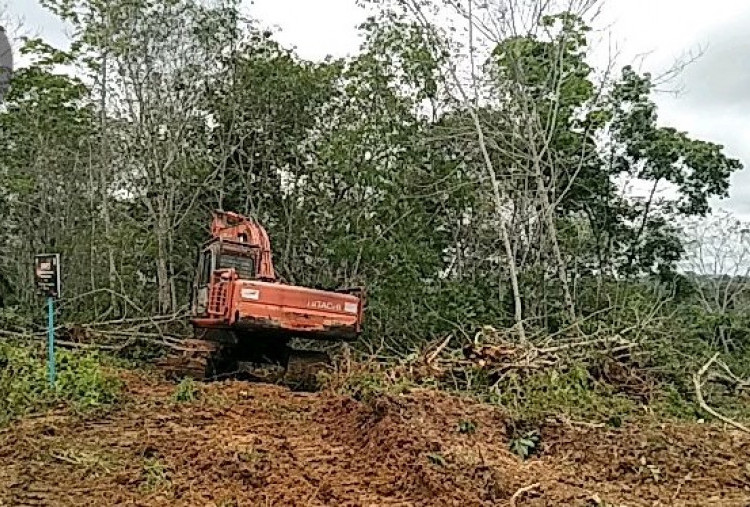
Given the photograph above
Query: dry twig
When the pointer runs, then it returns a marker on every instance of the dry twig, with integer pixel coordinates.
(522, 491)
(698, 382)
(431, 357)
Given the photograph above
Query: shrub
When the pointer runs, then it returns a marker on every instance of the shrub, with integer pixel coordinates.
(573, 393)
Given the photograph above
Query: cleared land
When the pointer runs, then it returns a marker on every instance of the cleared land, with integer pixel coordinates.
(252, 444)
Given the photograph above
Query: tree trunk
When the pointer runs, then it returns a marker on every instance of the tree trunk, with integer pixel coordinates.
(103, 187)
(549, 221)
(162, 267)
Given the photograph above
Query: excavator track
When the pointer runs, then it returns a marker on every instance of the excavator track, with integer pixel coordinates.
(199, 359)
(298, 369)
(304, 367)
(210, 359)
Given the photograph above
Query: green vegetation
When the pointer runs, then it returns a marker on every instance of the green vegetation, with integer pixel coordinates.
(355, 183)
(82, 384)
(155, 475)
(571, 393)
(467, 427)
(186, 391)
(526, 445)
(456, 207)
(367, 387)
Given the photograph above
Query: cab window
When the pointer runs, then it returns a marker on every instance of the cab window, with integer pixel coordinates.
(243, 265)
(206, 268)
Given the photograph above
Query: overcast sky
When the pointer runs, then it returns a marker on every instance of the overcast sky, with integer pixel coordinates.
(714, 102)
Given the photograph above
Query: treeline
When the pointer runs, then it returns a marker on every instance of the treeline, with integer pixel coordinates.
(462, 179)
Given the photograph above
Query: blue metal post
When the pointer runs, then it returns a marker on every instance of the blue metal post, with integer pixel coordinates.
(51, 339)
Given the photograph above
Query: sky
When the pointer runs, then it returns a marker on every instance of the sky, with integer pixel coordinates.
(710, 99)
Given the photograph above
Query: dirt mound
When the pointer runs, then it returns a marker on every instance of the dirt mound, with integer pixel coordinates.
(250, 444)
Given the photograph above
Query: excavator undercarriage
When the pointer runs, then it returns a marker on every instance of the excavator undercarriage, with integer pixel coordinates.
(221, 353)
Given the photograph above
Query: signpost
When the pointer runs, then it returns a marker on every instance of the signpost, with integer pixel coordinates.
(47, 278)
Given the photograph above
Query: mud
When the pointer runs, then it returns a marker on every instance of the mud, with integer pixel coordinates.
(253, 444)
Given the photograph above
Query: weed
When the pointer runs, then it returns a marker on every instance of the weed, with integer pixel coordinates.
(82, 382)
(367, 387)
(467, 427)
(251, 456)
(672, 403)
(437, 459)
(573, 393)
(155, 474)
(186, 391)
(526, 445)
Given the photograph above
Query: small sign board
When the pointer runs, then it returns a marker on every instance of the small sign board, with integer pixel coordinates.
(47, 274)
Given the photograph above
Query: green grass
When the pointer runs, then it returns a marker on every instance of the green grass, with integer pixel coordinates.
(369, 386)
(155, 475)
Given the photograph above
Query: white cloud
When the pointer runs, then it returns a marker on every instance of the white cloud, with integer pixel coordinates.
(315, 29)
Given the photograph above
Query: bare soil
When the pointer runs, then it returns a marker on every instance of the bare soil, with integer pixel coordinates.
(253, 444)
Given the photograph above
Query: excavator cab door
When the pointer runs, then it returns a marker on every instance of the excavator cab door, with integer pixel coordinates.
(206, 266)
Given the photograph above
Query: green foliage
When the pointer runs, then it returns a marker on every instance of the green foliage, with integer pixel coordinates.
(12, 318)
(187, 391)
(437, 459)
(699, 169)
(365, 171)
(673, 404)
(24, 385)
(467, 427)
(82, 382)
(155, 475)
(368, 386)
(526, 445)
(573, 393)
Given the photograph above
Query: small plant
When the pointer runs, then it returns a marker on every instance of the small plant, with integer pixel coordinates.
(187, 391)
(467, 427)
(83, 382)
(437, 459)
(155, 474)
(525, 445)
(370, 386)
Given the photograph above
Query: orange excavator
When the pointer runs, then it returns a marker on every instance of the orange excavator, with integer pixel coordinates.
(244, 317)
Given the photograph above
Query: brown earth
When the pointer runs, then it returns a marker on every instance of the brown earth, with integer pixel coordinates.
(251, 444)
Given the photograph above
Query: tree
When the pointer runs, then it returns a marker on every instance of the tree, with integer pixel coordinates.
(550, 132)
(45, 129)
(153, 63)
(717, 259)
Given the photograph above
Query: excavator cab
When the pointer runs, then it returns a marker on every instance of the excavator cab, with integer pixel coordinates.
(221, 255)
